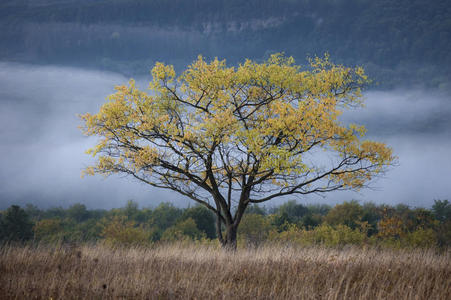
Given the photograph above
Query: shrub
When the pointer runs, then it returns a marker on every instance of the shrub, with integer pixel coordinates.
(49, 230)
(254, 229)
(184, 230)
(120, 232)
(348, 213)
(324, 234)
(204, 219)
(421, 238)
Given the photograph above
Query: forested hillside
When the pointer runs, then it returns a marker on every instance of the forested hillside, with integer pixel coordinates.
(405, 42)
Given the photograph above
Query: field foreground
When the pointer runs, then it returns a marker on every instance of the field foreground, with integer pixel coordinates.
(201, 272)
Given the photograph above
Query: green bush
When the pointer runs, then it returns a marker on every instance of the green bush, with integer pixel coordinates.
(254, 229)
(184, 230)
(348, 213)
(420, 238)
(204, 219)
(324, 234)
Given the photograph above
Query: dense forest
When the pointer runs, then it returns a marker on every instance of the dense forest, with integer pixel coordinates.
(349, 223)
(405, 42)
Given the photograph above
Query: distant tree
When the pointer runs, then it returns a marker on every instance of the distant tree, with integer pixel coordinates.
(320, 209)
(16, 225)
(119, 231)
(372, 214)
(442, 210)
(204, 219)
(293, 211)
(310, 221)
(78, 212)
(181, 230)
(255, 229)
(33, 211)
(131, 210)
(230, 137)
(391, 225)
(256, 209)
(281, 221)
(55, 212)
(165, 215)
(49, 230)
(347, 213)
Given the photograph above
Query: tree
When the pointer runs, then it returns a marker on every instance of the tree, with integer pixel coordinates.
(16, 225)
(348, 213)
(165, 215)
(183, 229)
(291, 211)
(78, 212)
(254, 229)
(121, 232)
(204, 219)
(442, 210)
(228, 137)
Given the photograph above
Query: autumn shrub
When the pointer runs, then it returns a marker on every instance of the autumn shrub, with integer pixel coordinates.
(121, 232)
(49, 230)
(324, 235)
(339, 235)
(293, 235)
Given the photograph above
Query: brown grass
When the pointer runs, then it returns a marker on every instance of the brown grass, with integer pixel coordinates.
(201, 272)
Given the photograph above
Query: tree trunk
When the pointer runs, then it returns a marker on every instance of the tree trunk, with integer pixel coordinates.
(229, 242)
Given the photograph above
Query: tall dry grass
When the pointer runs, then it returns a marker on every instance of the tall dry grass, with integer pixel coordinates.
(202, 272)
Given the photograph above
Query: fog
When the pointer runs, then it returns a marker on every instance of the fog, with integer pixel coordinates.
(42, 150)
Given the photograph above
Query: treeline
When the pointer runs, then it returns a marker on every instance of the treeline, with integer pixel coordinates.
(349, 223)
(398, 42)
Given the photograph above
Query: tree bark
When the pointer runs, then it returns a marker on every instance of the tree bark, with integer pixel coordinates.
(229, 243)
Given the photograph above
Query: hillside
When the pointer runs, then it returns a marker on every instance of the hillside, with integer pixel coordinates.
(399, 42)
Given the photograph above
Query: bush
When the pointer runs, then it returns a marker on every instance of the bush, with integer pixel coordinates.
(421, 238)
(184, 230)
(325, 235)
(254, 229)
(49, 230)
(348, 213)
(120, 232)
(340, 235)
(204, 219)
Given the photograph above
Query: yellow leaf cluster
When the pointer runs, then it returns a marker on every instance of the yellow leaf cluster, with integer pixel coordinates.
(268, 115)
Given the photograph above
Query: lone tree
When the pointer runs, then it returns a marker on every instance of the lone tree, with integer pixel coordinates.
(228, 137)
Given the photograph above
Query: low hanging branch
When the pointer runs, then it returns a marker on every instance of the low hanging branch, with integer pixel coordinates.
(228, 137)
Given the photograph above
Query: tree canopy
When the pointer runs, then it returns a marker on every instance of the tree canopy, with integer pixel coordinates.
(227, 137)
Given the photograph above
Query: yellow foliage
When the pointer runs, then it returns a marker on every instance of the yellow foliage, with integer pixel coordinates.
(257, 118)
(120, 232)
(324, 234)
(391, 227)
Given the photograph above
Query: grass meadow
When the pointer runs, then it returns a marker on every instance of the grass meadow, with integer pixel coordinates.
(180, 271)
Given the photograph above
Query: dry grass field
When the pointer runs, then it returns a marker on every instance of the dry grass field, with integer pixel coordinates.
(202, 272)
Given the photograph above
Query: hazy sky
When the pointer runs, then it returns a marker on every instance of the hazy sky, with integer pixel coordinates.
(42, 150)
